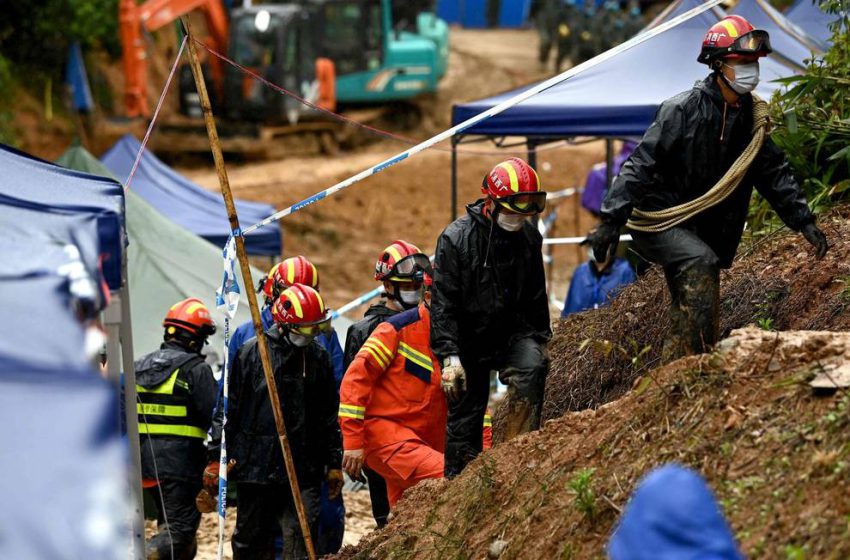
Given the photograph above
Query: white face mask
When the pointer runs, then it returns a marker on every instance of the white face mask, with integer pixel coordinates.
(746, 77)
(299, 340)
(410, 297)
(510, 222)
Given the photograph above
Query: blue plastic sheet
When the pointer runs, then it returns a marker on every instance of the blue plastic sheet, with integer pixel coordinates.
(26, 181)
(200, 211)
(787, 39)
(810, 18)
(618, 97)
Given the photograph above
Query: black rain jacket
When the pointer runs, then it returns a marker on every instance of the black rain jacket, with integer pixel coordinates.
(489, 289)
(178, 458)
(310, 403)
(686, 151)
(360, 331)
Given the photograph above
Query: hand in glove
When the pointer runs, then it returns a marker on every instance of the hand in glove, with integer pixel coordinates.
(603, 241)
(352, 463)
(335, 482)
(815, 236)
(454, 378)
(210, 479)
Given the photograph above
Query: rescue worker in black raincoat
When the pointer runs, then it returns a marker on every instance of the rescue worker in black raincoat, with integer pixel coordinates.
(402, 291)
(177, 394)
(546, 21)
(309, 401)
(489, 310)
(696, 137)
(568, 16)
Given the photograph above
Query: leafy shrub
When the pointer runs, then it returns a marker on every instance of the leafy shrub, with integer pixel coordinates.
(813, 117)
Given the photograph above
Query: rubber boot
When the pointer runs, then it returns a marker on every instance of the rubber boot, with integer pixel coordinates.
(522, 415)
(694, 311)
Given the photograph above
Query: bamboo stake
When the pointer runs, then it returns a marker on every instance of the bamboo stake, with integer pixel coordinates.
(248, 282)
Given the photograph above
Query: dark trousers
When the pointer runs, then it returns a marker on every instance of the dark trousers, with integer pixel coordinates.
(693, 277)
(331, 523)
(378, 496)
(177, 520)
(522, 368)
(265, 510)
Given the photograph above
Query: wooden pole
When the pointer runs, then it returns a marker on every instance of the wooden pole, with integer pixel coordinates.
(248, 283)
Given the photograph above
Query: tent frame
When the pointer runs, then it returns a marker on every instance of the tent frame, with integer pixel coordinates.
(119, 356)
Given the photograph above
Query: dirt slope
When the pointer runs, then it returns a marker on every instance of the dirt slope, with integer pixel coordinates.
(776, 455)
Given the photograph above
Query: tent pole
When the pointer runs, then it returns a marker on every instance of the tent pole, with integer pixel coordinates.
(455, 141)
(247, 281)
(131, 417)
(113, 317)
(609, 163)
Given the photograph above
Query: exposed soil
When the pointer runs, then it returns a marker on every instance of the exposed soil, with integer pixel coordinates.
(744, 416)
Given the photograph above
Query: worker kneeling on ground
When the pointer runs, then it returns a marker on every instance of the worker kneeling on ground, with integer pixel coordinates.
(680, 169)
(402, 281)
(309, 401)
(490, 310)
(177, 393)
(392, 409)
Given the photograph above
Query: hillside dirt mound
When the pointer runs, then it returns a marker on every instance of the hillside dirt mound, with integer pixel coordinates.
(775, 283)
(743, 416)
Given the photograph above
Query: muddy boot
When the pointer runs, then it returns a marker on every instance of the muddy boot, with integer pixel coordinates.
(694, 311)
(522, 416)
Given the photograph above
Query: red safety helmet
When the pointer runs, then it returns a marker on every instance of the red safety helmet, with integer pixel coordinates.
(191, 316)
(515, 185)
(301, 309)
(401, 262)
(294, 270)
(734, 37)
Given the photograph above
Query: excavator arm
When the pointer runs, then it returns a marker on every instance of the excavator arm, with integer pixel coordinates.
(153, 15)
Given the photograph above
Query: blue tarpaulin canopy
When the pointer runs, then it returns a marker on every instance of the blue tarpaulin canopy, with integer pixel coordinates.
(807, 15)
(787, 39)
(618, 97)
(200, 211)
(62, 465)
(26, 181)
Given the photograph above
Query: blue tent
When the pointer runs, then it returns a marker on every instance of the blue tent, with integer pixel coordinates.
(200, 211)
(39, 328)
(26, 181)
(618, 97)
(64, 251)
(62, 464)
(810, 18)
(787, 40)
(77, 79)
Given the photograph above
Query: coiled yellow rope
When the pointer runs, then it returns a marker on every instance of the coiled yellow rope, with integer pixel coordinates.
(661, 220)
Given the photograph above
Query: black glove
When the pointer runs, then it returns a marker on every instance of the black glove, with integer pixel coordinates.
(815, 236)
(603, 241)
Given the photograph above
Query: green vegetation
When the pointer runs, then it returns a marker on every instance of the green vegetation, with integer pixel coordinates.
(585, 497)
(34, 40)
(812, 115)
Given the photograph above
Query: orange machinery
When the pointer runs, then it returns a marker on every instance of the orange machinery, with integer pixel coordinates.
(152, 15)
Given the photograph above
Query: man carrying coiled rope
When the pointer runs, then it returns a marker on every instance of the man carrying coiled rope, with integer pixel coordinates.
(686, 188)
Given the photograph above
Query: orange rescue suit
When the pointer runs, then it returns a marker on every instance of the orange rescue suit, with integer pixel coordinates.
(391, 403)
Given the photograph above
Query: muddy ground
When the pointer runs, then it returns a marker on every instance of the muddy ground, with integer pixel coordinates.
(775, 452)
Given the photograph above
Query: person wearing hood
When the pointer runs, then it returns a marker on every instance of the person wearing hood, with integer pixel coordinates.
(695, 139)
(309, 402)
(398, 268)
(177, 394)
(595, 284)
(671, 515)
(294, 270)
(490, 311)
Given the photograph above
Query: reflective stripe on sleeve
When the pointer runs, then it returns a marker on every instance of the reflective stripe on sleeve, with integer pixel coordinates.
(352, 411)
